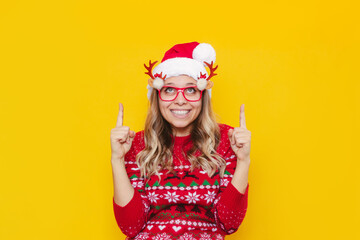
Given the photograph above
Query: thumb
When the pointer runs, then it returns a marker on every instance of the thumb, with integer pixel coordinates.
(132, 134)
(130, 137)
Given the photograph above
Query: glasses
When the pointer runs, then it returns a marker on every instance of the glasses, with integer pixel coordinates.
(170, 93)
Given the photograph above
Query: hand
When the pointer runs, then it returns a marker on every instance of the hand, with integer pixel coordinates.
(121, 137)
(240, 138)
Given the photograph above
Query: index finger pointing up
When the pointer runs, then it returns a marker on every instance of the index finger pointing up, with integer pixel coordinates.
(242, 116)
(120, 118)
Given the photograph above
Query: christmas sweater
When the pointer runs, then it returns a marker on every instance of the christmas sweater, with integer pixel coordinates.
(185, 205)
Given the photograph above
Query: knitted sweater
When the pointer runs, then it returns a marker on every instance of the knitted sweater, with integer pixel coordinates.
(185, 205)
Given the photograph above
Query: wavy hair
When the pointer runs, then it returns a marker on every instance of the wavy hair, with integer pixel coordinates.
(158, 137)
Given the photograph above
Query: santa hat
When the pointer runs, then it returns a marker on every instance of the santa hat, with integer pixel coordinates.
(185, 58)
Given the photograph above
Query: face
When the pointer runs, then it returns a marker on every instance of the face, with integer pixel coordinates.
(180, 113)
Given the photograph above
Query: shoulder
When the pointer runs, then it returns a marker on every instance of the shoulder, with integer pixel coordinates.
(224, 143)
(139, 139)
(224, 148)
(139, 136)
(137, 145)
(224, 129)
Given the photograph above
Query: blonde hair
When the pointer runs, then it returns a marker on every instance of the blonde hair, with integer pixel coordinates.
(205, 136)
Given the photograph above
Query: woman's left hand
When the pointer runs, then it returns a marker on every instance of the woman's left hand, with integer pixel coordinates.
(240, 138)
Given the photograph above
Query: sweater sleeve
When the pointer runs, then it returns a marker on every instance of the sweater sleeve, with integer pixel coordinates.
(230, 205)
(132, 217)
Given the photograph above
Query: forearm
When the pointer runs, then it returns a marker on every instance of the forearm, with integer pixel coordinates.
(231, 208)
(123, 190)
(240, 177)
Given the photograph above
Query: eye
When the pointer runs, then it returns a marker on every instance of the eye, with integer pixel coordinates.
(190, 90)
(169, 90)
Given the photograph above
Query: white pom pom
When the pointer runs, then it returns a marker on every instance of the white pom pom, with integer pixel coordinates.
(201, 84)
(204, 52)
(158, 83)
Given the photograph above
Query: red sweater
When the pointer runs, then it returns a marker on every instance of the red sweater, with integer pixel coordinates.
(185, 206)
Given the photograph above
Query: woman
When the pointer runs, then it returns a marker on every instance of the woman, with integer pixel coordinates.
(184, 176)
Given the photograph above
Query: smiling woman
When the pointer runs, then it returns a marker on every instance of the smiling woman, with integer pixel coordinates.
(184, 176)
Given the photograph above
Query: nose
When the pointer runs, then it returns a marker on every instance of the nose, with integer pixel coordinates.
(180, 99)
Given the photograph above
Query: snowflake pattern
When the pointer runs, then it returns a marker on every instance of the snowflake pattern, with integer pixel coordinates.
(210, 196)
(205, 236)
(162, 236)
(153, 197)
(187, 236)
(224, 182)
(192, 198)
(172, 197)
(146, 206)
(137, 184)
(219, 237)
(142, 236)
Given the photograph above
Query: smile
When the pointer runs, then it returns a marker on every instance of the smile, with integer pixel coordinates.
(180, 112)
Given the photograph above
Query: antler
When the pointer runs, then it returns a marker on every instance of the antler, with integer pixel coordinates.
(149, 68)
(212, 69)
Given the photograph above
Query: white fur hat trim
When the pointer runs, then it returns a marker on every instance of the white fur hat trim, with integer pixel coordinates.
(178, 66)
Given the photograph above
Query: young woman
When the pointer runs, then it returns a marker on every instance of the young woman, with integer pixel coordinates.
(184, 176)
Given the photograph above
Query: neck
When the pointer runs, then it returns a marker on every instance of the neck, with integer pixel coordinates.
(181, 132)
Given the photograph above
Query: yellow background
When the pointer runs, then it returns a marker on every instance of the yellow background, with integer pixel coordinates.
(65, 66)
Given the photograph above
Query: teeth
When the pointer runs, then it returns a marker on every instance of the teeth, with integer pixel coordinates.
(180, 112)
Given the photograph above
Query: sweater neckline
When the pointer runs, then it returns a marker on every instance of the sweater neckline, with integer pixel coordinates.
(181, 139)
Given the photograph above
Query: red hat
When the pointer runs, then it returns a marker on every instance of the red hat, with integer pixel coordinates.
(185, 58)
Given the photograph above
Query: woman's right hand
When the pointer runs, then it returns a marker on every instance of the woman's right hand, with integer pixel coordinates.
(121, 137)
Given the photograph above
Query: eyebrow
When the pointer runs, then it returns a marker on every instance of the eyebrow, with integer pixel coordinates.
(188, 84)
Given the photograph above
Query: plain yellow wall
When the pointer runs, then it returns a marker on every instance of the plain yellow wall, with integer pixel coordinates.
(65, 66)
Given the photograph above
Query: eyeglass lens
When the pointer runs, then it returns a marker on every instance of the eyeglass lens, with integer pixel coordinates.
(190, 93)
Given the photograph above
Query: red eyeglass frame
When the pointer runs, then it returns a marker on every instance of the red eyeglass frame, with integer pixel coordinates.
(182, 91)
